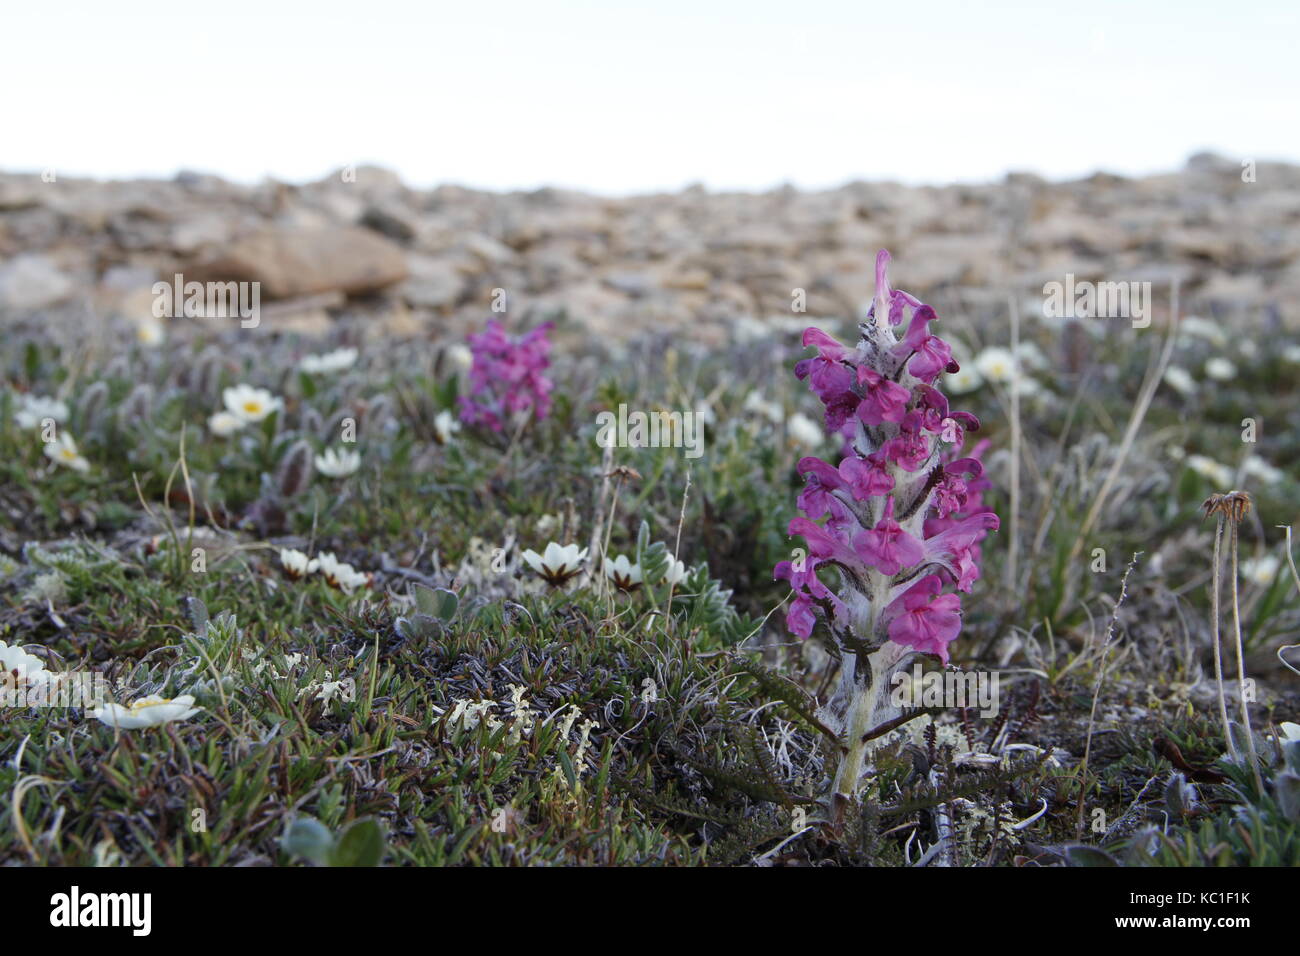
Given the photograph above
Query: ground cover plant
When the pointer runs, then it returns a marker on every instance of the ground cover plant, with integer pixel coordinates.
(362, 600)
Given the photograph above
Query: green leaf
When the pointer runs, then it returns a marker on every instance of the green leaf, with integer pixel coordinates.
(448, 602)
(437, 603)
(310, 839)
(1287, 787)
(566, 765)
(362, 844)
(426, 600)
(1082, 855)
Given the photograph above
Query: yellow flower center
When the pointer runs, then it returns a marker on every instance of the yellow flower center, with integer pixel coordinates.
(252, 407)
(142, 704)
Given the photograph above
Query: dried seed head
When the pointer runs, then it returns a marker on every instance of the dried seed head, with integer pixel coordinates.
(624, 473)
(1234, 505)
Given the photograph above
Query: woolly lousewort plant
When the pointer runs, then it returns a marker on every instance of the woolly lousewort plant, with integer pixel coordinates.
(903, 513)
(507, 382)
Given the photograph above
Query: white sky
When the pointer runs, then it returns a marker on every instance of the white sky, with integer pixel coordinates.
(631, 97)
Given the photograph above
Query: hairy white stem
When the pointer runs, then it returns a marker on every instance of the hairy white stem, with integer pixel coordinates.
(857, 721)
(1214, 634)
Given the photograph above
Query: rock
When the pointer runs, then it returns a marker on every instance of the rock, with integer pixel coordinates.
(209, 229)
(433, 284)
(688, 263)
(32, 281)
(390, 221)
(637, 285)
(488, 250)
(299, 262)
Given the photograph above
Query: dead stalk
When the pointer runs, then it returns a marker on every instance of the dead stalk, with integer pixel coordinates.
(1241, 663)
(1214, 633)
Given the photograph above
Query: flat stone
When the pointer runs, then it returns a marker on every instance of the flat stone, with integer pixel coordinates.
(299, 262)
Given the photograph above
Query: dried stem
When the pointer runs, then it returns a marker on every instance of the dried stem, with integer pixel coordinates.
(1218, 642)
(1241, 664)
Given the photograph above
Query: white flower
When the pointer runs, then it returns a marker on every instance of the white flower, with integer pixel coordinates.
(676, 572)
(459, 357)
(64, 451)
(625, 574)
(557, 564)
(445, 425)
(1031, 356)
(755, 404)
(804, 431)
(148, 711)
(224, 424)
(335, 361)
(1180, 380)
(1291, 353)
(1257, 467)
(19, 669)
(1220, 369)
(250, 404)
(749, 329)
(33, 410)
(341, 574)
(996, 364)
(296, 564)
(1203, 329)
(1261, 570)
(338, 464)
(1289, 730)
(1218, 474)
(1027, 387)
(149, 332)
(966, 379)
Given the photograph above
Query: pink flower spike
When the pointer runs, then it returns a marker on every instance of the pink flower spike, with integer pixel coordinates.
(924, 621)
(822, 479)
(882, 400)
(887, 547)
(866, 477)
(821, 543)
(932, 354)
(825, 344)
(506, 381)
(880, 308)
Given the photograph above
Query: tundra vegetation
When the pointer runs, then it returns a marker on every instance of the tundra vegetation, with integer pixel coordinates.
(368, 599)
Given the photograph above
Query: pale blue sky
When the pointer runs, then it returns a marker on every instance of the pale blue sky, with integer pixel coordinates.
(631, 97)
